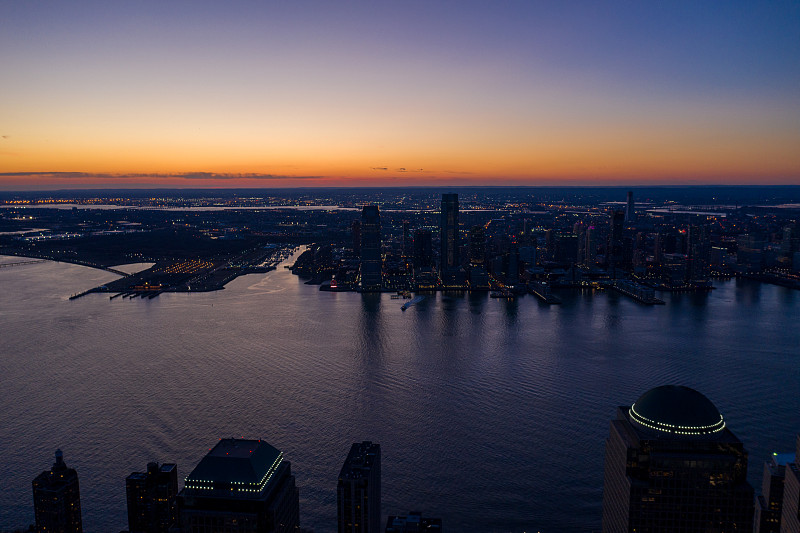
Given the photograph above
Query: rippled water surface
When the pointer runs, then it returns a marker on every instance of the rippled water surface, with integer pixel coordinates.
(490, 414)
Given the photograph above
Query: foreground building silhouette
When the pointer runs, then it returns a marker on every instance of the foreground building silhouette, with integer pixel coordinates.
(152, 499)
(790, 510)
(358, 493)
(57, 499)
(244, 486)
(672, 465)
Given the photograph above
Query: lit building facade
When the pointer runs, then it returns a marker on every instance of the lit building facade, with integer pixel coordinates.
(358, 493)
(672, 465)
(448, 258)
(615, 248)
(57, 499)
(242, 486)
(371, 261)
(790, 510)
(152, 499)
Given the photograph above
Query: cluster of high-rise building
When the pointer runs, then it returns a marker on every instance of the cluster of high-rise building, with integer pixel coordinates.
(671, 465)
(478, 249)
(242, 486)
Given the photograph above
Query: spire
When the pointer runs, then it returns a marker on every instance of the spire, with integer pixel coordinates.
(59, 464)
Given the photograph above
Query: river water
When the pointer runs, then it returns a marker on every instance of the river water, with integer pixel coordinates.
(490, 414)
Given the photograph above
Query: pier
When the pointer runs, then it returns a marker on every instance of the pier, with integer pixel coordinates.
(20, 263)
(638, 292)
(544, 292)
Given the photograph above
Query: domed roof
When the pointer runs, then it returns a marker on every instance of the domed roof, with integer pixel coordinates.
(677, 409)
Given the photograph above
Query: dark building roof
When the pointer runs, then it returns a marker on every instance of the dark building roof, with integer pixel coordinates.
(236, 461)
(360, 460)
(677, 409)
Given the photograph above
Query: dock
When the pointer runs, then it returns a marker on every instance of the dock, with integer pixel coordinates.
(20, 263)
(543, 291)
(638, 292)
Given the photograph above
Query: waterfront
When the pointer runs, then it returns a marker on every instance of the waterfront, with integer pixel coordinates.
(491, 413)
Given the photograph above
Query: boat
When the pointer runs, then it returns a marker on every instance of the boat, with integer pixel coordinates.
(414, 300)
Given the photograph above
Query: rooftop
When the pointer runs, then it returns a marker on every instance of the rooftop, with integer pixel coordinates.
(677, 410)
(247, 463)
(360, 460)
(782, 459)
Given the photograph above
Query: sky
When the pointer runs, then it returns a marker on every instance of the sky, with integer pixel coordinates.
(337, 93)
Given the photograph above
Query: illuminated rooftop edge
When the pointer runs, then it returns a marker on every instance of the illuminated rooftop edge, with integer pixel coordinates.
(680, 430)
(237, 486)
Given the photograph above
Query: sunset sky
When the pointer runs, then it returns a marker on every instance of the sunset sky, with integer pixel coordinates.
(302, 93)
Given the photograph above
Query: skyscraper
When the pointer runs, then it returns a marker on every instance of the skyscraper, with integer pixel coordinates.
(358, 493)
(356, 229)
(371, 262)
(590, 254)
(615, 249)
(790, 510)
(770, 503)
(152, 499)
(448, 225)
(408, 242)
(57, 499)
(698, 252)
(672, 465)
(423, 249)
(630, 211)
(240, 485)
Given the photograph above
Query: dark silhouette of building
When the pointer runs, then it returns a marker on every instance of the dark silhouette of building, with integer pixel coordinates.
(358, 494)
(672, 465)
(152, 499)
(356, 229)
(57, 499)
(244, 486)
(448, 225)
(630, 211)
(616, 245)
(790, 510)
(478, 276)
(579, 229)
(698, 252)
(371, 263)
(550, 244)
(408, 242)
(590, 253)
(423, 249)
(566, 248)
(413, 522)
(477, 246)
(770, 503)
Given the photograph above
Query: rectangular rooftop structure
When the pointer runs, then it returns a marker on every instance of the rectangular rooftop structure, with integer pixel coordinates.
(243, 467)
(243, 486)
(358, 492)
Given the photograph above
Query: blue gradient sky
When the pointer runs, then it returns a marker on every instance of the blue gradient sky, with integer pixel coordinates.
(288, 93)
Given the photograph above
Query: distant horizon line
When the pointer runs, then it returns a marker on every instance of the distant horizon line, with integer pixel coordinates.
(397, 187)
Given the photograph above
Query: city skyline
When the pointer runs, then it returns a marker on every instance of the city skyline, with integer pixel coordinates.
(495, 331)
(315, 94)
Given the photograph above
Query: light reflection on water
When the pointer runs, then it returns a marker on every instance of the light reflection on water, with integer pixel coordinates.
(491, 414)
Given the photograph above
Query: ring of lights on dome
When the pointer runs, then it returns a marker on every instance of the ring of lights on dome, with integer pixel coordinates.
(680, 430)
(677, 410)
